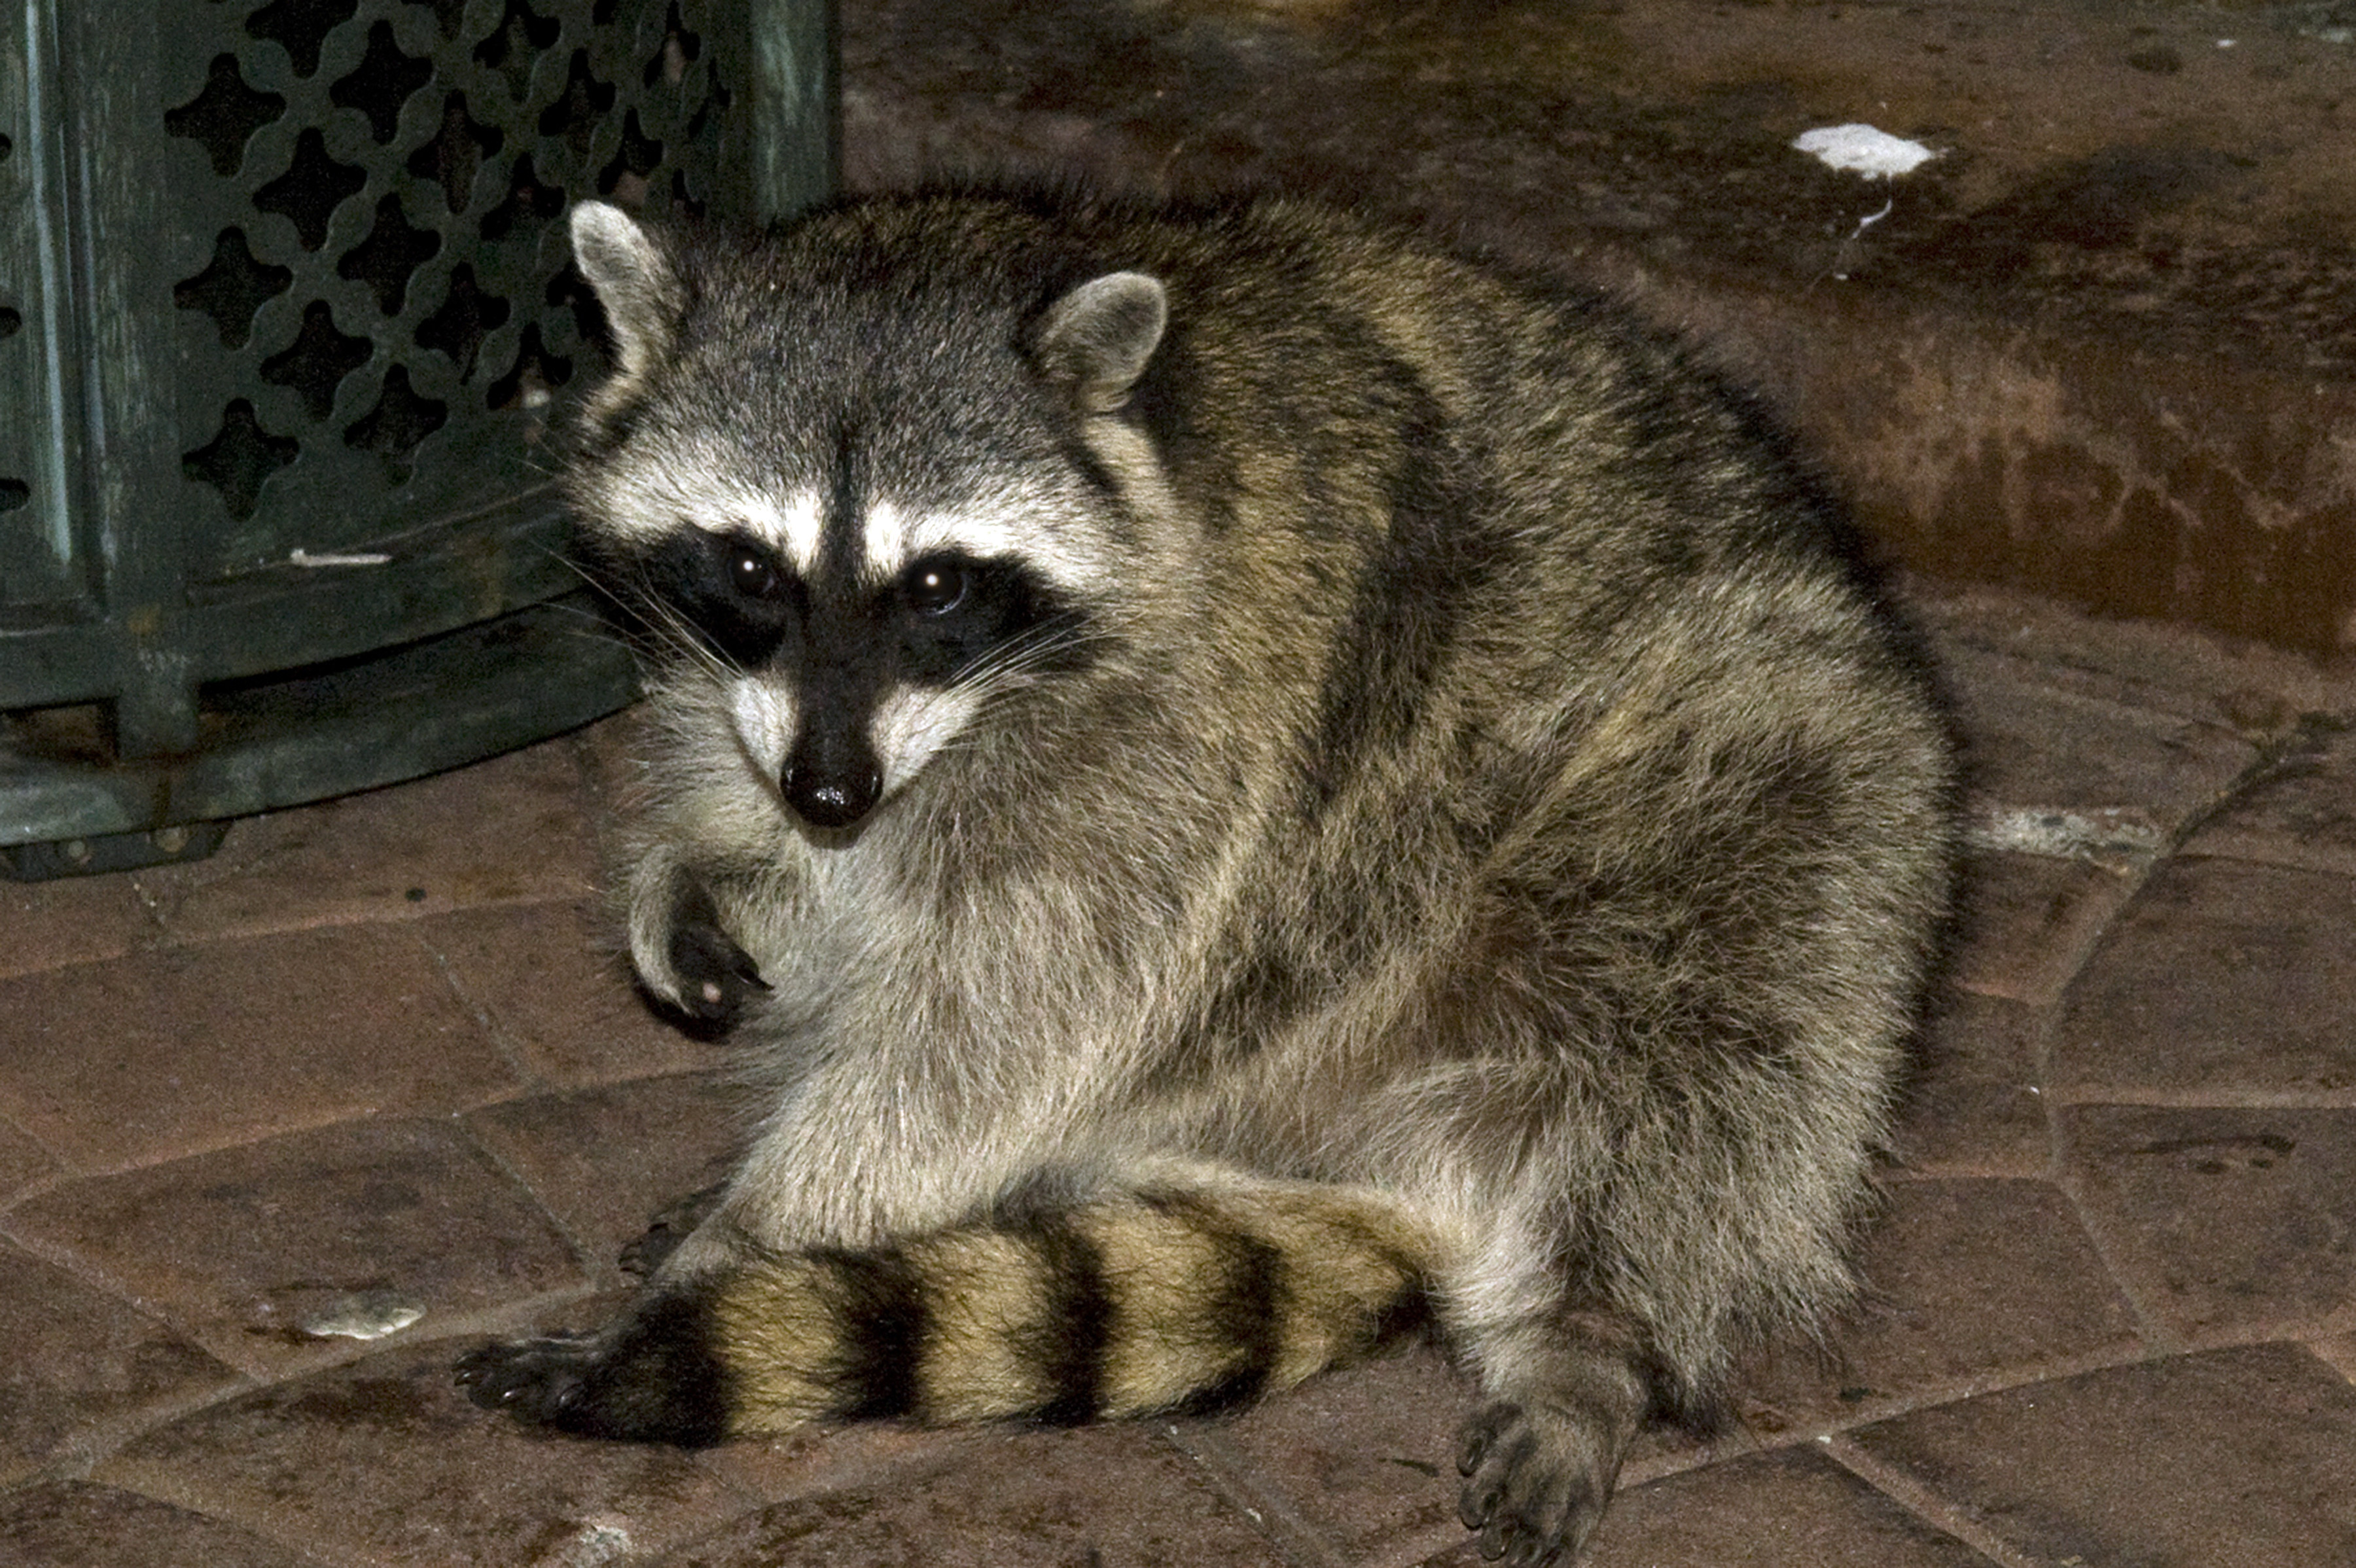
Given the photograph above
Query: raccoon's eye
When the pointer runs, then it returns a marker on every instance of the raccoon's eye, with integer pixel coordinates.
(752, 576)
(933, 588)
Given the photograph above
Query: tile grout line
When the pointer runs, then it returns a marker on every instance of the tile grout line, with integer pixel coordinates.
(2341, 1360)
(88, 1451)
(2164, 1099)
(173, 938)
(2058, 1173)
(260, 1528)
(2137, 872)
(1838, 1440)
(61, 1168)
(1420, 1547)
(502, 1043)
(80, 1455)
(2149, 1326)
(1911, 1495)
(255, 1375)
(2128, 873)
(253, 1138)
(85, 1270)
(596, 1277)
(1301, 1544)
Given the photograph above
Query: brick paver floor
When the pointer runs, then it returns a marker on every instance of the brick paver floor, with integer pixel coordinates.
(283, 1132)
(370, 1067)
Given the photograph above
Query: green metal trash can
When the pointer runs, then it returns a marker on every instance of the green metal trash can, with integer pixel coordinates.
(286, 307)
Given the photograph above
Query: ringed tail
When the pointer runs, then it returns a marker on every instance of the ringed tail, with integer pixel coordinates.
(1162, 1300)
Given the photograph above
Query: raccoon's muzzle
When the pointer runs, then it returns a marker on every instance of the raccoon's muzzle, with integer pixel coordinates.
(832, 776)
(831, 780)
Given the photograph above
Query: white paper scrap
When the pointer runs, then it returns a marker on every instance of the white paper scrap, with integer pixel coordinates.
(1877, 155)
(363, 1314)
(301, 557)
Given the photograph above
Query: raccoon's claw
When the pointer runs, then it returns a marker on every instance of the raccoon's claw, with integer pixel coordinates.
(652, 1377)
(1538, 1483)
(667, 1230)
(535, 1380)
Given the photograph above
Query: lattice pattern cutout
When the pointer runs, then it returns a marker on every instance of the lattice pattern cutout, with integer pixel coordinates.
(384, 273)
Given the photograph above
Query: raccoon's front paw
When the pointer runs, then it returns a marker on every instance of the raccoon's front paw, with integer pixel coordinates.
(535, 1380)
(652, 1377)
(716, 978)
(1539, 1479)
(712, 979)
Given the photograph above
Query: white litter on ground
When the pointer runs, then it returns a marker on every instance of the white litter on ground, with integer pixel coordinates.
(301, 557)
(2100, 833)
(1876, 154)
(363, 1314)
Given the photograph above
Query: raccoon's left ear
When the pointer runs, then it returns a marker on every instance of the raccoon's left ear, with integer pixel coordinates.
(1096, 339)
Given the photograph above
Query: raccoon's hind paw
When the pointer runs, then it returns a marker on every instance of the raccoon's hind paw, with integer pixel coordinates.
(647, 1252)
(653, 1378)
(1539, 1479)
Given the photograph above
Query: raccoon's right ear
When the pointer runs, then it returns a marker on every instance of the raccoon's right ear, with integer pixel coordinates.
(1096, 339)
(635, 279)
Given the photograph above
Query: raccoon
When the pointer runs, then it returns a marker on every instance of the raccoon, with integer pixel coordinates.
(1248, 783)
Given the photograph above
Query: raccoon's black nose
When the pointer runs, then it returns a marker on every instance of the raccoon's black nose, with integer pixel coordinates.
(831, 798)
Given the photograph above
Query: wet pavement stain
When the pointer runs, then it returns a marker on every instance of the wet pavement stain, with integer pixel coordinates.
(2167, 247)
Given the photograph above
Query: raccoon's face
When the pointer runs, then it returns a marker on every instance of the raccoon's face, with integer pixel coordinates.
(846, 670)
(862, 544)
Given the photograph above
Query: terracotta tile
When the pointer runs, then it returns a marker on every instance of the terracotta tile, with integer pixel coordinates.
(1106, 1497)
(1367, 1453)
(2302, 813)
(384, 1462)
(2221, 980)
(48, 925)
(2027, 922)
(1973, 1105)
(2030, 742)
(80, 1360)
(185, 1048)
(1966, 1281)
(566, 1009)
(606, 1161)
(511, 830)
(2221, 1221)
(74, 1524)
(1786, 1509)
(2246, 1455)
(243, 1246)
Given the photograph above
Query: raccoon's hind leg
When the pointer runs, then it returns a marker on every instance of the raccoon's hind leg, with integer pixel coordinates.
(1177, 1295)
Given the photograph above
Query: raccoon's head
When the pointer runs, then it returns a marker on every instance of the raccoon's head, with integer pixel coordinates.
(858, 495)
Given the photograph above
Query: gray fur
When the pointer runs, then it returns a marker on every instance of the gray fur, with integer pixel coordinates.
(1463, 773)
